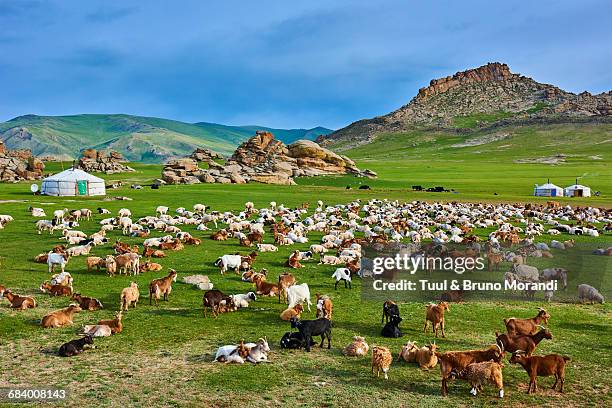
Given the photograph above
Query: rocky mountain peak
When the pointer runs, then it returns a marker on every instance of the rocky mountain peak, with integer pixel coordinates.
(493, 71)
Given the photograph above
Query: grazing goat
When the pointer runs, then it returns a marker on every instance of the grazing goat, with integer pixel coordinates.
(18, 302)
(357, 348)
(128, 262)
(525, 343)
(298, 294)
(342, 274)
(290, 313)
(115, 324)
(538, 366)
(435, 314)
(459, 360)
(87, 303)
(130, 296)
(310, 328)
(74, 347)
(95, 261)
(478, 374)
(226, 262)
(381, 360)
(587, 293)
(161, 287)
(516, 326)
(60, 318)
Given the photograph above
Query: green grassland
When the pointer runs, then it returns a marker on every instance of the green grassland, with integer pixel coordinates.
(163, 357)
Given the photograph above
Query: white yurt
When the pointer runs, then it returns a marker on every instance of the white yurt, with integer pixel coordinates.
(73, 182)
(577, 190)
(548, 190)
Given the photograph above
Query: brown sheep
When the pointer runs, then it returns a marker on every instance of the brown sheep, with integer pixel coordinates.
(19, 302)
(295, 311)
(60, 318)
(161, 287)
(381, 360)
(435, 315)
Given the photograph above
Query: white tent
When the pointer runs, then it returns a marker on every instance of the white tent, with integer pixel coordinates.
(548, 190)
(73, 182)
(577, 190)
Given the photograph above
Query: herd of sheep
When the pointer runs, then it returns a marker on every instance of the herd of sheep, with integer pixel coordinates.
(517, 235)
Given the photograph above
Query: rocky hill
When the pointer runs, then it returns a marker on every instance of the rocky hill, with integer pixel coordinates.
(477, 98)
(262, 159)
(137, 138)
(19, 165)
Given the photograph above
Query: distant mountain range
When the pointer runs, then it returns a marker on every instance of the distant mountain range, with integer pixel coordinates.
(137, 138)
(474, 100)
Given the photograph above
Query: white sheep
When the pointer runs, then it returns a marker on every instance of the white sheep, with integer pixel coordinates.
(267, 248)
(589, 293)
(243, 299)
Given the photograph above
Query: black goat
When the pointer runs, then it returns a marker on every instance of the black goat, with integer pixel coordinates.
(392, 329)
(308, 328)
(294, 340)
(213, 299)
(390, 309)
(74, 347)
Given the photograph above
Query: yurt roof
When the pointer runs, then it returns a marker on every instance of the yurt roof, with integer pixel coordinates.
(548, 186)
(74, 174)
(577, 187)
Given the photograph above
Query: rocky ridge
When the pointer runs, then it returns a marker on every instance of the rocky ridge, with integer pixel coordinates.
(101, 162)
(264, 159)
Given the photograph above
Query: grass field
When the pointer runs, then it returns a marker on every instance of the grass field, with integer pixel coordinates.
(163, 357)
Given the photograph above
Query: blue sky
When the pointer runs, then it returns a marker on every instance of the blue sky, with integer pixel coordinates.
(282, 63)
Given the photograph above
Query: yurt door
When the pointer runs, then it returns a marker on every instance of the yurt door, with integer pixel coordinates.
(82, 187)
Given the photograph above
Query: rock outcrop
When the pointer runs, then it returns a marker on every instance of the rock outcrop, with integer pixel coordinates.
(100, 162)
(264, 159)
(205, 155)
(19, 165)
(490, 89)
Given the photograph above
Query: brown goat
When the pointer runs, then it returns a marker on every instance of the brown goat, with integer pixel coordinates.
(525, 343)
(162, 286)
(56, 290)
(220, 235)
(516, 326)
(149, 252)
(60, 318)
(408, 353)
(213, 299)
(284, 281)
(458, 360)
(87, 303)
(435, 314)
(295, 311)
(538, 366)
(19, 302)
(150, 266)
(115, 324)
(294, 260)
(264, 288)
(426, 356)
(325, 306)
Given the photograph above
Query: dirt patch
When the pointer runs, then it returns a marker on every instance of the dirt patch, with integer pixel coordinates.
(480, 140)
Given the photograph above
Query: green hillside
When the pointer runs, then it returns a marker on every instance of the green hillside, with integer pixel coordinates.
(138, 138)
